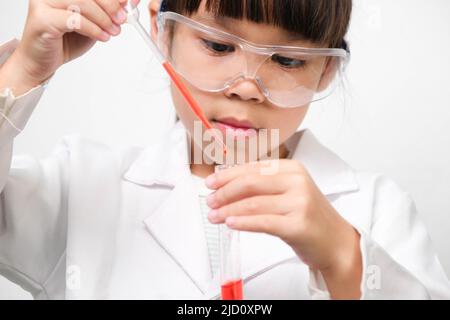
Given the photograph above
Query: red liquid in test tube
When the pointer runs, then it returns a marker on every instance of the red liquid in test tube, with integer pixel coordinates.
(232, 290)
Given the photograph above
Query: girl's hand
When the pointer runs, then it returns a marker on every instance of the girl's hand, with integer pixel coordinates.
(58, 31)
(290, 206)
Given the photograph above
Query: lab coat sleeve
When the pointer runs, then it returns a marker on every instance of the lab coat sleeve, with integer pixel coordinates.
(32, 221)
(398, 258)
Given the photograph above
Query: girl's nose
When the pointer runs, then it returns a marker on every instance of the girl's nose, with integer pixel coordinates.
(246, 90)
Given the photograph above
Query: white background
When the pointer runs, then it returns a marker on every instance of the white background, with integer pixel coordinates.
(395, 118)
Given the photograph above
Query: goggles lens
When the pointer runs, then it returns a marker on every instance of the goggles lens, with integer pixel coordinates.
(213, 60)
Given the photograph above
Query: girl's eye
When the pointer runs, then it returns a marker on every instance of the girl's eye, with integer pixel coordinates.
(219, 48)
(288, 62)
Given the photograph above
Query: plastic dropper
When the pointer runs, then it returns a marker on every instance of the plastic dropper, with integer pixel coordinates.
(133, 19)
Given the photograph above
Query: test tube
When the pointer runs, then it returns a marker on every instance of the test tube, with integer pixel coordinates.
(230, 259)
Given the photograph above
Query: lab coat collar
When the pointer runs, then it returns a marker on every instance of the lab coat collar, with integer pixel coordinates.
(166, 165)
(331, 174)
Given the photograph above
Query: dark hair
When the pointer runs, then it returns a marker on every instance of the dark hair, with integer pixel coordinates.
(319, 21)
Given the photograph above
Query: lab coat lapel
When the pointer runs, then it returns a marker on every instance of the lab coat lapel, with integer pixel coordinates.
(176, 222)
(177, 226)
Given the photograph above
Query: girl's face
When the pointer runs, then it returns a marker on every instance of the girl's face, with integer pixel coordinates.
(243, 101)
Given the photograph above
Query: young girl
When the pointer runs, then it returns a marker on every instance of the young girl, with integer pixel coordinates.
(94, 223)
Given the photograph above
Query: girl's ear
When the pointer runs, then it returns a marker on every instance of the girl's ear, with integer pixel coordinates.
(328, 74)
(153, 8)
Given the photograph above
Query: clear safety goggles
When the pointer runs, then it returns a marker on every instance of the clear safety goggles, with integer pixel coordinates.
(213, 60)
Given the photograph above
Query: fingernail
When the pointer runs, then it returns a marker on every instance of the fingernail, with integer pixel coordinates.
(211, 201)
(230, 222)
(114, 29)
(210, 181)
(120, 16)
(213, 215)
(104, 36)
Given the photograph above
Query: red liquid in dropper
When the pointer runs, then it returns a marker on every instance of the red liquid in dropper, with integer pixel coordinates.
(232, 290)
(190, 100)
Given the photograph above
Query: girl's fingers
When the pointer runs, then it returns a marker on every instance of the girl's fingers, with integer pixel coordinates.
(221, 178)
(85, 27)
(259, 205)
(249, 185)
(91, 10)
(114, 9)
(274, 225)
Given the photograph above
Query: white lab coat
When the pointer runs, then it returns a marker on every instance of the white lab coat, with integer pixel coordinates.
(91, 222)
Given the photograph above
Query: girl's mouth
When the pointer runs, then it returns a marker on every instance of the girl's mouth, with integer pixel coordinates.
(235, 128)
